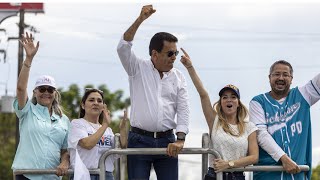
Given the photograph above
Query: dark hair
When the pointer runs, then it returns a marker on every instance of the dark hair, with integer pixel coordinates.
(156, 42)
(87, 92)
(286, 63)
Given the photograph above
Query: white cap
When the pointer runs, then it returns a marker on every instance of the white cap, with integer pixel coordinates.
(45, 80)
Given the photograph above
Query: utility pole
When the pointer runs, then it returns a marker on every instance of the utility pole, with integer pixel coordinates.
(12, 9)
(20, 61)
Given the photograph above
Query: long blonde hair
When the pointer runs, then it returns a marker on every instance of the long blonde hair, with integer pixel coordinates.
(56, 107)
(242, 113)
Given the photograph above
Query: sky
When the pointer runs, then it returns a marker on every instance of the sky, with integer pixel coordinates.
(228, 43)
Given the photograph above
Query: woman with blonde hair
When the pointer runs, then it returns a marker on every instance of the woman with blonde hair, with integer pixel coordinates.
(232, 135)
(43, 127)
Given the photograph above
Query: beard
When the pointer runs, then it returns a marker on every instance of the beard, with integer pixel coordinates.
(280, 92)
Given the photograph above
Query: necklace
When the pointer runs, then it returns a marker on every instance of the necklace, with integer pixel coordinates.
(91, 124)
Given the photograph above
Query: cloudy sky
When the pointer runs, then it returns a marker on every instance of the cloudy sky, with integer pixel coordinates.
(228, 43)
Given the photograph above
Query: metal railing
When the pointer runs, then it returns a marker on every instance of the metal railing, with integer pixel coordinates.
(159, 151)
(130, 151)
(119, 171)
(148, 151)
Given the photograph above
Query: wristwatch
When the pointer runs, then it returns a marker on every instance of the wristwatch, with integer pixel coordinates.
(231, 164)
(181, 136)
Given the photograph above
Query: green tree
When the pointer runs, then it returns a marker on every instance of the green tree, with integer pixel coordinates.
(7, 144)
(70, 101)
(315, 173)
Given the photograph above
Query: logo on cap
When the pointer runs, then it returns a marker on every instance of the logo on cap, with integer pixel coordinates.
(45, 81)
(230, 87)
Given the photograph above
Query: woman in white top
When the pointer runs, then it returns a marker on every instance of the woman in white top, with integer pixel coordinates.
(91, 136)
(232, 135)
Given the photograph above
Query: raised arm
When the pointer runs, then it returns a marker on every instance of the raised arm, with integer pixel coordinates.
(208, 111)
(316, 80)
(31, 50)
(126, 55)
(146, 12)
(311, 90)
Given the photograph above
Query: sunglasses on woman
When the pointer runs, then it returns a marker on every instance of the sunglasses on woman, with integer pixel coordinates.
(43, 89)
(93, 89)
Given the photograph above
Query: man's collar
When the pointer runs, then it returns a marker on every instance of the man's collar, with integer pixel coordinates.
(155, 69)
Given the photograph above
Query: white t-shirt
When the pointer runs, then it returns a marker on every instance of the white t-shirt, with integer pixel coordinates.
(80, 128)
(230, 147)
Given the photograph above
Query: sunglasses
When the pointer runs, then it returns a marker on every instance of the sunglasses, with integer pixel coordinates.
(93, 89)
(43, 89)
(171, 53)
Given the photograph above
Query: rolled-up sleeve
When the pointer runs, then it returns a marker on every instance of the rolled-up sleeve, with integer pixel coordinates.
(127, 57)
(183, 109)
(311, 90)
(21, 113)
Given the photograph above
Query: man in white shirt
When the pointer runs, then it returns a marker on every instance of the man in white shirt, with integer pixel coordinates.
(282, 116)
(158, 94)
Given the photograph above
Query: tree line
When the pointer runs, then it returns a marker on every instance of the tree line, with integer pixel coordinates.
(71, 99)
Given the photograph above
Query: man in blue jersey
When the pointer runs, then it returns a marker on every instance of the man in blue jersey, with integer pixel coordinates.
(283, 118)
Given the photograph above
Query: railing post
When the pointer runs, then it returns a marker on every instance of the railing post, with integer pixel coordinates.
(156, 151)
(220, 176)
(205, 144)
(117, 168)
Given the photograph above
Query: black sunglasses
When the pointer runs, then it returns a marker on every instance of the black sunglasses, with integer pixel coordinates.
(43, 89)
(93, 89)
(171, 53)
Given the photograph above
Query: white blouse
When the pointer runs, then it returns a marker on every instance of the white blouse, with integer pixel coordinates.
(230, 147)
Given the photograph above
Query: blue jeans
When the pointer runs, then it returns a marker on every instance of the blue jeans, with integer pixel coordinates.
(109, 176)
(139, 166)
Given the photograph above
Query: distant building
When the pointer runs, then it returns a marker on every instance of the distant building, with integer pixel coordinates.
(6, 104)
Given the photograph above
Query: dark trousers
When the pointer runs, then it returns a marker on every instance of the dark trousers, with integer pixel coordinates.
(211, 175)
(21, 177)
(139, 166)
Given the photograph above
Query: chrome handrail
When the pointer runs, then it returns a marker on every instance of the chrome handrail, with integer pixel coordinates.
(159, 151)
(304, 168)
(150, 151)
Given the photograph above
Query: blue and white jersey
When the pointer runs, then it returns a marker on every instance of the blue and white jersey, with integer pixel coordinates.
(284, 127)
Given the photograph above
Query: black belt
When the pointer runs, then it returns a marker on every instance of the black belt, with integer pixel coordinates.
(152, 134)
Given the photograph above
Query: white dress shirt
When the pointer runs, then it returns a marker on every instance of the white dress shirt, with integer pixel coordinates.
(154, 101)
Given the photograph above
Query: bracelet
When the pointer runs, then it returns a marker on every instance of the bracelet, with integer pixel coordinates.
(28, 66)
(189, 67)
